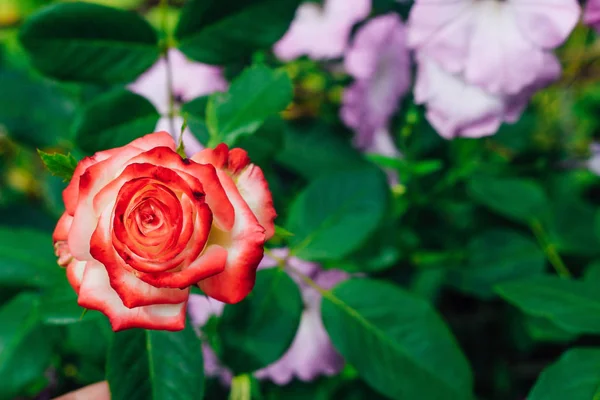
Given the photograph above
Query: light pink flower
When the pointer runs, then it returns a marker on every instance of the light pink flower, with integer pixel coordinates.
(594, 161)
(189, 79)
(379, 61)
(591, 14)
(321, 32)
(311, 353)
(499, 45)
(456, 108)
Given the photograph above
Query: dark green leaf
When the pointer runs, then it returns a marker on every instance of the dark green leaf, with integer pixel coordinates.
(25, 349)
(519, 199)
(34, 111)
(89, 43)
(255, 95)
(336, 213)
(59, 306)
(155, 365)
(313, 149)
(575, 376)
(221, 31)
(27, 259)
(496, 256)
(263, 146)
(194, 112)
(59, 165)
(114, 120)
(572, 305)
(396, 341)
(257, 331)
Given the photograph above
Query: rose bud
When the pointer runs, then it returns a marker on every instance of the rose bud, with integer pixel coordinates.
(143, 224)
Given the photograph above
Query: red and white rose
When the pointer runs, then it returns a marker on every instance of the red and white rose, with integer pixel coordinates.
(142, 225)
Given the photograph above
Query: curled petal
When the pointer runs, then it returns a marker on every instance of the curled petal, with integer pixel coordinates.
(96, 294)
(244, 244)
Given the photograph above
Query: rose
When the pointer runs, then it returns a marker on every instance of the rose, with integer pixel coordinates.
(143, 224)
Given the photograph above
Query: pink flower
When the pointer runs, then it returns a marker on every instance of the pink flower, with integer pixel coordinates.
(594, 161)
(591, 14)
(190, 80)
(499, 46)
(379, 61)
(311, 353)
(321, 32)
(456, 108)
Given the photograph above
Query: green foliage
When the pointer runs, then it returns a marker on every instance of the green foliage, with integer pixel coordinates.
(33, 111)
(89, 43)
(113, 120)
(147, 364)
(221, 31)
(256, 94)
(572, 305)
(59, 165)
(496, 256)
(519, 199)
(257, 331)
(396, 341)
(27, 259)
(336, 213)
(25, 351)
(310, 150)
(575, 376)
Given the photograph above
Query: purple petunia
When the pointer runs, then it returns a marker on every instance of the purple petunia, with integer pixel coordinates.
(480, 61)
(379, 61)
(321, 32)
(311, 353)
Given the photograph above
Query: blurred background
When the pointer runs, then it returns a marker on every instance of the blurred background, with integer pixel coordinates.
(487, 183)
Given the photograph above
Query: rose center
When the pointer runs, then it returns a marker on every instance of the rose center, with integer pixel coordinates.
(148, 216)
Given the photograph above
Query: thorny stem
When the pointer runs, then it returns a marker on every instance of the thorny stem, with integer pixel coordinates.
(549, 249)
(164, 7)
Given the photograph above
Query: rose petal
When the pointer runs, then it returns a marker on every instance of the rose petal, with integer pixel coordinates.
(244, 244)
(97, 294)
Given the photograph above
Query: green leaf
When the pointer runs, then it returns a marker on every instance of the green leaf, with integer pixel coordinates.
(572, 305)
(336, 213)
(397, 342)
(256, 94)
(27, 259)
(25, 349)
(59, 306)
(89, 43)
(575, 376)
(59, 165)
(257, 331)
(497, 256)
(571, 222)
(519, 199)
(314, 149)
(155, 365)
(194, 111)
(34, 111)
(221, 31)
(114, 120)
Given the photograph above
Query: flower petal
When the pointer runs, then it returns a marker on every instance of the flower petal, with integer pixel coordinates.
(97, 294)
(244, 244)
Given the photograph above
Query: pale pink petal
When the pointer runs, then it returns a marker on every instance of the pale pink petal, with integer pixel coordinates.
(549, 25)
(501, 59)
(379, 60)
(441, 29)
(321, 32)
